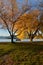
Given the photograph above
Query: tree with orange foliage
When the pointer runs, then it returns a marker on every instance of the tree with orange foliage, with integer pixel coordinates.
(30, 24)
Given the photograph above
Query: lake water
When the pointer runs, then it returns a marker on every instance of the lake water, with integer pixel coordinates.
(9, 40)
(5, 40)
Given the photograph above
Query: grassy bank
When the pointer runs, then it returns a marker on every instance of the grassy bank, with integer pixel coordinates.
(21, 53)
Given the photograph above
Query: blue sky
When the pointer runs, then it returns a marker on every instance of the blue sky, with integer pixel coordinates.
(33, 2)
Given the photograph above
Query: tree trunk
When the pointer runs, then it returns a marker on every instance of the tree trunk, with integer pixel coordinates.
(31, 37)
(12, 36)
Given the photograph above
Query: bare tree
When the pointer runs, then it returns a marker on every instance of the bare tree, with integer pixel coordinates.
(10, 14)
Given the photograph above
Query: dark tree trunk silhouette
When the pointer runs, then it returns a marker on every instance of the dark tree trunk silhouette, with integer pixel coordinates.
(12, 37)
(31, 35)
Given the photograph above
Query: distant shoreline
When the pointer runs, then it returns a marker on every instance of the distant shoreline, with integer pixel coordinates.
(6, 39)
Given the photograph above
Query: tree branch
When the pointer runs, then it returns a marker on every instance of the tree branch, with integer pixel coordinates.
(6, 25)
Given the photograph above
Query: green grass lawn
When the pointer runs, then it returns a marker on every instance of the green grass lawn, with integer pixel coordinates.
(21, 53)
